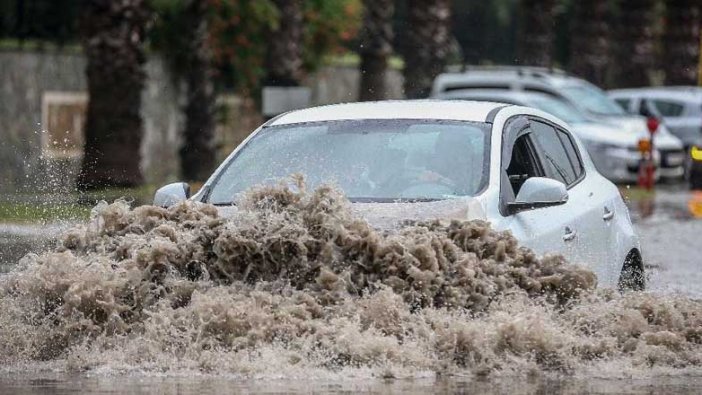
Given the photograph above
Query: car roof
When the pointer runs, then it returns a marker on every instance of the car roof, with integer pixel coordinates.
(688, 93)
(521, 98)
(487, 77)
(473, 111)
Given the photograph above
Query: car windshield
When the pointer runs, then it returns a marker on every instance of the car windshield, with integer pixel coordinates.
(560, 109)
(369, 160)
(592, 99)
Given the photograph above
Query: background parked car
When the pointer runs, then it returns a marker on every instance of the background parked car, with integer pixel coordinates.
(586, 97)
(680, 108)
(614, 151)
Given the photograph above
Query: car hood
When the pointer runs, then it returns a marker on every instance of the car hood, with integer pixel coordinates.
(636, 126)
(605, 133)
(390, 215)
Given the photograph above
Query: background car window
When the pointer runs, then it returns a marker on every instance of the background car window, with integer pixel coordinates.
(554, 157)
(625, 103)
(668, 108)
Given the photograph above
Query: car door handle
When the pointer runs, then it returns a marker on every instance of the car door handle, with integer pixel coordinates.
(569, 234)
(608, 215)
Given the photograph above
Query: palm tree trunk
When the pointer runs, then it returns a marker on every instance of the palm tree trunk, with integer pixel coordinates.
(634, 52)
(590, 37)
(376, 47)
(113, 36)
(428, 44)
(681, 42)
(284, 57)
(198, 154)
(535, 35)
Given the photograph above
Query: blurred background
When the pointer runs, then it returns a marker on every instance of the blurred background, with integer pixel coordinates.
(101, 99)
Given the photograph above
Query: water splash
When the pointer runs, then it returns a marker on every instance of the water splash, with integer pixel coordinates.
(293, 285)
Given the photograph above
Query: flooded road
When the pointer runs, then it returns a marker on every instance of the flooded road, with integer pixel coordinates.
(669, 238)
(61, 384)
(671, 243)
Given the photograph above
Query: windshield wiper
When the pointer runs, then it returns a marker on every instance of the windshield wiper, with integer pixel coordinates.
(218, 204)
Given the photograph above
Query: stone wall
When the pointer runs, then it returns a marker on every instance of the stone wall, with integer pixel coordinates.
(26, 77)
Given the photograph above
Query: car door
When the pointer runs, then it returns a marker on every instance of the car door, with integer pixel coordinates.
(590, 210)
(545, 230)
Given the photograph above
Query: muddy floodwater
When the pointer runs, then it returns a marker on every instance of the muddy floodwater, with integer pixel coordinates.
(294, 293)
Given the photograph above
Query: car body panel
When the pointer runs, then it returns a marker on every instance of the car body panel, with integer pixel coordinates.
(600, 245)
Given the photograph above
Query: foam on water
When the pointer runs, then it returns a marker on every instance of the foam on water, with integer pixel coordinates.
(294, 285)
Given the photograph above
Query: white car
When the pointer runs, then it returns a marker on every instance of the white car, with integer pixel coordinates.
(518, 168)
(680, 108)
(614, 151)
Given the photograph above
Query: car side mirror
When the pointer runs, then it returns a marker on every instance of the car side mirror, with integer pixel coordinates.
(538, 192)
(171, 194)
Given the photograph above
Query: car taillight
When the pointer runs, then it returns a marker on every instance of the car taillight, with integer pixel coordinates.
(652, 123)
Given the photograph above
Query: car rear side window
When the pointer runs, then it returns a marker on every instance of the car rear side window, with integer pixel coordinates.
(558, 163)
(668, 108)
(625, 103)
(572, 151)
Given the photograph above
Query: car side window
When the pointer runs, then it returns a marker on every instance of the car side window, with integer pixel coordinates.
(523, 164)
(553, 154)
(572, 151)
(624, 103)
(667, 108)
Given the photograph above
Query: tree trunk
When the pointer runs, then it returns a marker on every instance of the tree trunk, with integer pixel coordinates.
(681, 42)
(113, 37)
(634, 49)
(428, 44)
(376, 47)
(535, 36)
(198, 154)
(590, 37)
(284, 57)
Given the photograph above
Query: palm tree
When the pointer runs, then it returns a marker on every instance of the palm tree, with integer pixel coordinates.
(590, 37)
(681, 42)
(376, 46)
(428, 44)
(113, 36)
(634, 52)
(535, 35)
(198, 154)
(284, 57)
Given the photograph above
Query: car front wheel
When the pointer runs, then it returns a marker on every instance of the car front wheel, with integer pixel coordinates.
(632, 277)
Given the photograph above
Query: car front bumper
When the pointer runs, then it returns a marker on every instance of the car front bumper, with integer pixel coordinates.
(621, 165)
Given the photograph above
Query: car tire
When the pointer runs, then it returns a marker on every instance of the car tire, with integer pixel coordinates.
(695, 175)
(633, 277)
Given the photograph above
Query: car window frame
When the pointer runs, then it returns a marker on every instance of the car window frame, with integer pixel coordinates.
(511, 138)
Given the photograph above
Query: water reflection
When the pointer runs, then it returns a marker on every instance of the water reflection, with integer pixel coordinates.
(217, 385)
